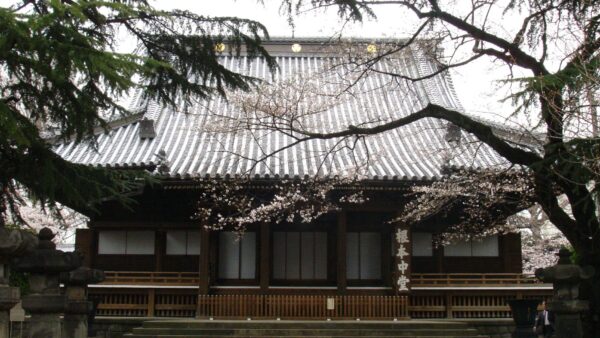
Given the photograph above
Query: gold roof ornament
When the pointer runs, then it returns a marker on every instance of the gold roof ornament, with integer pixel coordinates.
(371, 48)
(220, 47)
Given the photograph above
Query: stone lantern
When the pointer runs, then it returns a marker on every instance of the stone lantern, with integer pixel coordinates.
(78, 308)
(13, 243)
(45, 303)
(566, 305)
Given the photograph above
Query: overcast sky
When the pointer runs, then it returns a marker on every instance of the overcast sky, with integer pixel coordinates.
(475, 84)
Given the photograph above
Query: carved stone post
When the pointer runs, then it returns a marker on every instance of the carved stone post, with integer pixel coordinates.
(75, 324)
(12, 243)
(45, 303)
(567, 308)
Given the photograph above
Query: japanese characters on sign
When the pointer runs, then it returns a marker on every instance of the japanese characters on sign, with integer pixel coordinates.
(402, 260)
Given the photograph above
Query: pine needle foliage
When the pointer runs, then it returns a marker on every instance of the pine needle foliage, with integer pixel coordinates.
(62, 74)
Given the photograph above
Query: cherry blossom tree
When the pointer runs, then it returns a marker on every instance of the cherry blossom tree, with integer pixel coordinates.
(540, 239)
(552, 60)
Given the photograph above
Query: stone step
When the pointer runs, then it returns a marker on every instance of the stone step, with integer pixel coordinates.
(313, 329)
(197, 336)
(268, 324)
(284, 332)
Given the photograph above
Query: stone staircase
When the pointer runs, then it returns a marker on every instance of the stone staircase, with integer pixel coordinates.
(291, 329)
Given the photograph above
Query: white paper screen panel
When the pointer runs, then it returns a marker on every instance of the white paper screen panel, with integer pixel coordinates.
(140, 242)
(422, 244)
(320, 255)
(370, 255)
(193, 242)
(279, 243)
(352, 255)
(363, 255)
(292, 254)
(112, 242)
(299, 255)
(487, 247)
(229, 255)
(237, 258)
(248, 243)
(307, 266)
(176, 242)
(182, 242)
(460, 248)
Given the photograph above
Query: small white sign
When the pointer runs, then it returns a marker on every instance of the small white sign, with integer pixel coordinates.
(330, 303)
(17, 314)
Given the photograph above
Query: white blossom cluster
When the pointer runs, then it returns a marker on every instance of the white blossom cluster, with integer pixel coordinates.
(484, 199)
(61, 220)
(541, 253)
(235, 204)
(540, 239)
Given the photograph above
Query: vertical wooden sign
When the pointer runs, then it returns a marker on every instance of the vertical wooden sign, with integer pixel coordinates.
(402, 255)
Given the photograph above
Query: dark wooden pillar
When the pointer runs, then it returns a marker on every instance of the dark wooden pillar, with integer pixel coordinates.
(509, 246)
(438, 256)
(265, 257)
(84, 243)
(341, 251)
(160, 247)
(204, 266)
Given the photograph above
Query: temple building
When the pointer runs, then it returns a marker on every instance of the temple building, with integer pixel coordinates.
(348, 263)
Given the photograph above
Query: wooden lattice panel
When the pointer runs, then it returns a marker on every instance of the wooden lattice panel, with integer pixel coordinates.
(169, 304)
(121, 303)
(427, 306)
(230, 306)
(481, 306)
(154, 302)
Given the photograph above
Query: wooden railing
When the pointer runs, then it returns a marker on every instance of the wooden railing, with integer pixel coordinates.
(154, 297)
(472, 279)
(421, 279)
(145, 302)
(151, 277)
(472, 304)
(302, 306)
(151, 302)
(186, 303)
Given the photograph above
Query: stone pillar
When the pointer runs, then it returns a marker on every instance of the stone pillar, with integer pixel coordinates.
(12, 244)
(565, 303)
(45, 303)
(75, 323)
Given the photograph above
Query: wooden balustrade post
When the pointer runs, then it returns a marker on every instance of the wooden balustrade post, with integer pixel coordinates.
(449, 300)
(151, 302)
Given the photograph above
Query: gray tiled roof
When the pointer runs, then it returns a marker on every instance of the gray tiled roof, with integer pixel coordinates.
(415, 152)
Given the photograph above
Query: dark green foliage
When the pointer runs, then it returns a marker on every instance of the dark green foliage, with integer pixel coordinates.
(352, 9)
(61, 73)
(19, 279)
